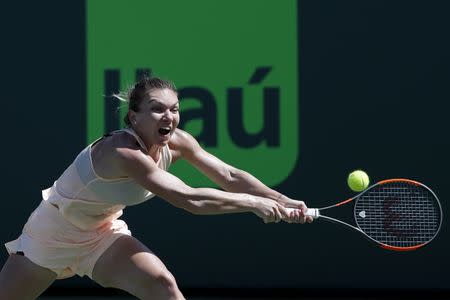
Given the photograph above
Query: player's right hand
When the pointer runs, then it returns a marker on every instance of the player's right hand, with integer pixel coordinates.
(298, 215)
(270, 210)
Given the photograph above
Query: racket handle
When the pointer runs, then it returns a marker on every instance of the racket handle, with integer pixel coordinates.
(313, 212)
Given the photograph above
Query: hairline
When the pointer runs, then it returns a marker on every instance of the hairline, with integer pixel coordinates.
(159, 102)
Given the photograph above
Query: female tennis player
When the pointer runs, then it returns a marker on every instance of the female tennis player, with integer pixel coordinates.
(76, 230)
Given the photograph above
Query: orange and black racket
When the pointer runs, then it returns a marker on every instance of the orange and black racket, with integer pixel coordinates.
(397, 214)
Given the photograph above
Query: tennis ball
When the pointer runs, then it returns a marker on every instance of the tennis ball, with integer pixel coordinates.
(358, 180)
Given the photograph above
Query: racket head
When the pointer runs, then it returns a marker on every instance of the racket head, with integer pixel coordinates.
(398, 214)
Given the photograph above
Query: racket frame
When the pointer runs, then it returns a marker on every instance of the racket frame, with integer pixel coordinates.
(316, 214)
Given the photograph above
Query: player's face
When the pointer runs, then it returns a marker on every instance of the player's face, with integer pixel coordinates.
(157, 118)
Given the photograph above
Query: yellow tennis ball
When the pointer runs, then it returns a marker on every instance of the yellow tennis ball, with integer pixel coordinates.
(358, 180)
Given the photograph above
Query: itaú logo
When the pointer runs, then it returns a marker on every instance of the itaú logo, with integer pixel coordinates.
(252, 126)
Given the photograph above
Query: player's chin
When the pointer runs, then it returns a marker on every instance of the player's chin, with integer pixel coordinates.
(163, 139)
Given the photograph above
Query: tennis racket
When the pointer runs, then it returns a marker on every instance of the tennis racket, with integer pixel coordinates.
(397, 214)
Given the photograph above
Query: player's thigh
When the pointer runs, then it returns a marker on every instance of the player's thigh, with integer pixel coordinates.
(22, 279)
(129, 265)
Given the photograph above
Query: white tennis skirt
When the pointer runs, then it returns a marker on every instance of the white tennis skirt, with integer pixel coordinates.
(50, 241)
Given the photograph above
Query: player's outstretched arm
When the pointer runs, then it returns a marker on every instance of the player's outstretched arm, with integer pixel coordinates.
(144, 170)
(229, 178)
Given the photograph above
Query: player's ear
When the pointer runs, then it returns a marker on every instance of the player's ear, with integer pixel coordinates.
(132, 116)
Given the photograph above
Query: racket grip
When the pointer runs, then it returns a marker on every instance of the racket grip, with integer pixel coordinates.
(313, 212)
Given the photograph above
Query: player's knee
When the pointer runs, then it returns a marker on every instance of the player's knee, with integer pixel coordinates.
(157, 286)
(167, 283)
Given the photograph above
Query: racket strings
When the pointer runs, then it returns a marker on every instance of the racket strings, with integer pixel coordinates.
(398, 214)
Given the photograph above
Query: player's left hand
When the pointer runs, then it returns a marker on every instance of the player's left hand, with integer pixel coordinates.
(298, 215)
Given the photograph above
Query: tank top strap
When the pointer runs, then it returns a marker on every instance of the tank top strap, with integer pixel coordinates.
(136, 136)
(166, 157)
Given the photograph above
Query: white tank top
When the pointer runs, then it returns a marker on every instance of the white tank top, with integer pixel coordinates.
(87, 200)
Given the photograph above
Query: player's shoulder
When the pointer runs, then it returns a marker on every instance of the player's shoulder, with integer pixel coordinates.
(182, 144)
(123, 146)
(115, 153)
(181, 140)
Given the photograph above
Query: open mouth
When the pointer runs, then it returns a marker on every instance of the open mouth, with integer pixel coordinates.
(164, 130)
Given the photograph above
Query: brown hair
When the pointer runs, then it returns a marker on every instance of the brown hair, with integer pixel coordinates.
(141, 90)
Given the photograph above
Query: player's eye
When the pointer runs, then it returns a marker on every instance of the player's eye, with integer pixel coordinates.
(157, 109)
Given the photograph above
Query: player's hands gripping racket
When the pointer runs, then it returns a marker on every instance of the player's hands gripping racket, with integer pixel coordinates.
(397, 214)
